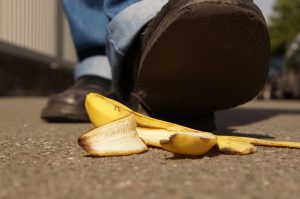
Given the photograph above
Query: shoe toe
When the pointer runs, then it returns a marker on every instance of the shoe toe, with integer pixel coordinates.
(66, 107)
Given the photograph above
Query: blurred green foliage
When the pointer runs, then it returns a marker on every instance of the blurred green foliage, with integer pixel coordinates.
(284, 25)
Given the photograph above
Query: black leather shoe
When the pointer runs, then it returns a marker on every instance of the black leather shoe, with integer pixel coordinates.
(200, 56)
(68, 106)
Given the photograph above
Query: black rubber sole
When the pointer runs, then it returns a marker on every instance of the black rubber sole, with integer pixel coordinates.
(206, 57)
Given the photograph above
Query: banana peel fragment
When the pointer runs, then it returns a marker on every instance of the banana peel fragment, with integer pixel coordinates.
(113, 139)
(181, 142)
(235, 147)
(121, 131)
(189, 143)
(265, 143)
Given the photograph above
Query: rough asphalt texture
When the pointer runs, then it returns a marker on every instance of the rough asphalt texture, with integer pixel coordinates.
(42, 160)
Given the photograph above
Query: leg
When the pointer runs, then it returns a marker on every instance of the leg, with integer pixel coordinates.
(122, 32)
(88, 21)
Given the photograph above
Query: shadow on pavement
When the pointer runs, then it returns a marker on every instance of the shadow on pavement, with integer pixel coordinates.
(226, 120)
(233, 132)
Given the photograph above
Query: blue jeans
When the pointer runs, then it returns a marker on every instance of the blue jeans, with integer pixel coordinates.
(103, 31)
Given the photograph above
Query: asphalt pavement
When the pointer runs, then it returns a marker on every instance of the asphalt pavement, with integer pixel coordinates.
(43, 160)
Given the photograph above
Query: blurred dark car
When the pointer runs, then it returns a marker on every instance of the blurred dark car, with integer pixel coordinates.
(271, 88)
(289, 82)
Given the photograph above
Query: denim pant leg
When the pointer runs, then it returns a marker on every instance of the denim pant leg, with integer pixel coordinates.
(88, 20)
(122, 31)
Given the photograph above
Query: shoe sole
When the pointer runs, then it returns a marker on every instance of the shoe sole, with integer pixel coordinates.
(209, 56)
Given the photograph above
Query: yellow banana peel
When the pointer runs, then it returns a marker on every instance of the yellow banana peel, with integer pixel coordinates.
(182, 142)
(116, 138)
(102, 110)
(266, 143)
(122, 131)
(235, 147)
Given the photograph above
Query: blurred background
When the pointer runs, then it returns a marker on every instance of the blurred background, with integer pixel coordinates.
(37, 54)
(36, 50)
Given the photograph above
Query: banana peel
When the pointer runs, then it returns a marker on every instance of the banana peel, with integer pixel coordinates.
(182, 142)
(116, 138)
(260, 142)
(189, 143)
(122, 131)
(235, 147)
(104, 111)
